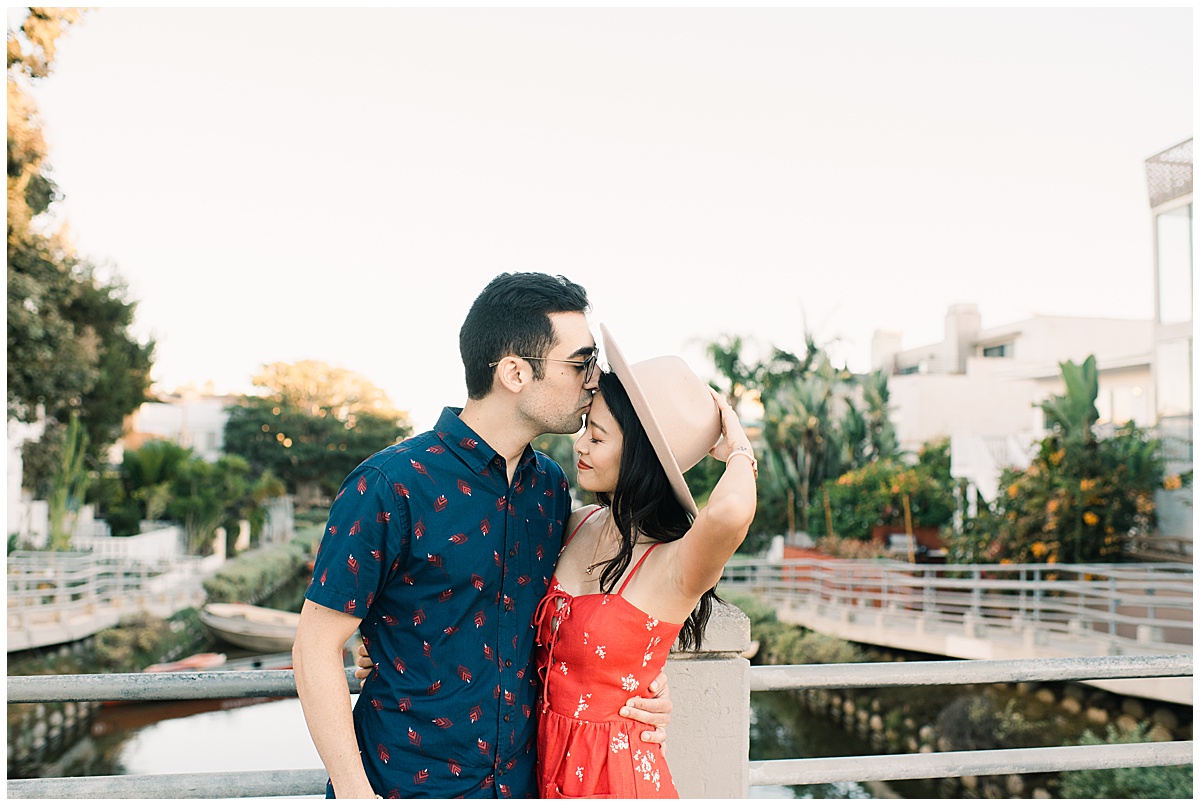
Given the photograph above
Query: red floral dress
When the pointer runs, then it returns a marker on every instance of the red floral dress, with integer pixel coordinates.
(595, 651)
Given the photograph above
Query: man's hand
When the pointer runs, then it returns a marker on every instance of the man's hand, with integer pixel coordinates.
(363, 663)
(654, 711)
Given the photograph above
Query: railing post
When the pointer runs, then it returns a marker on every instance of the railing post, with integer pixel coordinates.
(709, 737)
(1037, 596)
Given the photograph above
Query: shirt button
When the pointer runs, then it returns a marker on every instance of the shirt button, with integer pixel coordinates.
(508, 607)
(508, 663)
(512, 553)
(507, 718)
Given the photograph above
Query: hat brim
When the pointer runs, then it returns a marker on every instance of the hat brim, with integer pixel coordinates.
(658, 440)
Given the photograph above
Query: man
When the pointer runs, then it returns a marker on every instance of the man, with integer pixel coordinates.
(440, 549)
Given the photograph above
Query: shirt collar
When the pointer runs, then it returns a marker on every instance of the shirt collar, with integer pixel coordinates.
(469, 446)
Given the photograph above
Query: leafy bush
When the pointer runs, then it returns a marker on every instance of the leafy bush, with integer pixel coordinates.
(141, 640)
(755, 609)
(873, 495)
(1081, 497)
(850, 548)
(1078, 501)
(1126, 782)
(978, 722)
(811, 647)
(255, 573)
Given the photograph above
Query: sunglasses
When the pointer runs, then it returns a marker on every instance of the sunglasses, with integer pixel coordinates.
(588, 365)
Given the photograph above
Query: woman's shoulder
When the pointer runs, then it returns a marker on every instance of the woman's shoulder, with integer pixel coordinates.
(581, 514)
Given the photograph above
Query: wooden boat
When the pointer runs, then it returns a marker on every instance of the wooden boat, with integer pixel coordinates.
(261, 629)
(192, 663)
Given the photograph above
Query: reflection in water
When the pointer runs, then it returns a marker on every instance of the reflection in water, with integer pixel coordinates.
(246, 733)
(782, 727)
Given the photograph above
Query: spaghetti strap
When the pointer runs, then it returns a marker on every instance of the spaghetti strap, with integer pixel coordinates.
(581, 523)
(636, 566)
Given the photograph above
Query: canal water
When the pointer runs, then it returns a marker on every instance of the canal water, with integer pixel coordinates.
(270, 733)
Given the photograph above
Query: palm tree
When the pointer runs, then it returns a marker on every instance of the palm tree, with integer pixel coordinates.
(800, 423)
(881, 434)
(735, 375)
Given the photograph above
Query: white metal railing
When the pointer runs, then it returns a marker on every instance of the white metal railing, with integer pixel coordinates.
(57, 596)
(1147, 606)
(145, 687)
(163, 543)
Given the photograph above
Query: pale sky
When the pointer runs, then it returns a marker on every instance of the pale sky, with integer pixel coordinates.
(285, 184)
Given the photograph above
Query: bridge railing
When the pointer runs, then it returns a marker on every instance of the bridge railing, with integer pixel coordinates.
(708, 737)
(60, 596)
(1147, 608)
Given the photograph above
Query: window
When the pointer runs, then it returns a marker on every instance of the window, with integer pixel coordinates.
(1173, 377)
(1174, 240)
(997, 351)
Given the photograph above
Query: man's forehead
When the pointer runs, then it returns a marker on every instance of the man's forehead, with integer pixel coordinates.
(571, 331)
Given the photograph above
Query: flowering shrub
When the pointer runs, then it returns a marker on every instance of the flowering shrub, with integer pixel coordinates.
(1078, 501)
(873, 495)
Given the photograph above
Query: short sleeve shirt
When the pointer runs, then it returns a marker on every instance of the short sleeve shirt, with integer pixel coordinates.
(445, 563)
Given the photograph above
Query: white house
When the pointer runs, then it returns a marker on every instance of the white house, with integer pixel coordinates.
(1169, 182)
(980, 387)
(193, 420)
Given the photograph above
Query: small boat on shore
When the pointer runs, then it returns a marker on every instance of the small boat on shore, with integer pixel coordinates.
(192, 663)
(261, 629)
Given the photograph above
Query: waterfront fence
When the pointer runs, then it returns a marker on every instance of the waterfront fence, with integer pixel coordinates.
(708, 737)
(60, 596)
(1138, 608)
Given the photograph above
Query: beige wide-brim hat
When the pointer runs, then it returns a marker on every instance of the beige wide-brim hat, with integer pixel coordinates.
(675, 407)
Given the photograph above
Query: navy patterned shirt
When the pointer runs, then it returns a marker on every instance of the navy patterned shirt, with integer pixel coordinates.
(445, 563)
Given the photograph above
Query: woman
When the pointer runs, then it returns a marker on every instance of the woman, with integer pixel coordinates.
(636, 572)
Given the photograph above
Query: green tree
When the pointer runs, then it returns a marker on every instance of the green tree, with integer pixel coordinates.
(881, 441)
(69, 346)
(312, 427)
(69, 486)
(735, 376)
(800, 426)
(818, 421)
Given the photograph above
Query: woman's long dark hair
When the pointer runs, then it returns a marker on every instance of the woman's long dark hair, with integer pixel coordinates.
(644, 504)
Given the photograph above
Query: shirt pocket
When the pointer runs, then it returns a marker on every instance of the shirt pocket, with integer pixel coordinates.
(539, 548)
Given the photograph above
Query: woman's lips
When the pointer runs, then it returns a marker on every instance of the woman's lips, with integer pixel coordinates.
(582, 466)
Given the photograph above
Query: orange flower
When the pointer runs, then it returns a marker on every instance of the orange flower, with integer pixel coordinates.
(1091, 518)
(1172, 483)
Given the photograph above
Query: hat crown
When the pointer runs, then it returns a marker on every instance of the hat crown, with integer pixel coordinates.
(681, 404)
(676, 409)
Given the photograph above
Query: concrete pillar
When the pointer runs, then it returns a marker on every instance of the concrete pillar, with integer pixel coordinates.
(243, 537)
(708, 740)
(219, 543)
(1147, 634)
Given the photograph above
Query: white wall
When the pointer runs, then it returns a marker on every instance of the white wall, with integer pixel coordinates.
(196, 424)
(927, 407)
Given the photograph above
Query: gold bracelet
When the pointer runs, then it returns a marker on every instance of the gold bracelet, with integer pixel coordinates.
(749, 455)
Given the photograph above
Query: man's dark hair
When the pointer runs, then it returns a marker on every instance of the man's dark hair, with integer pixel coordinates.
(512, 317)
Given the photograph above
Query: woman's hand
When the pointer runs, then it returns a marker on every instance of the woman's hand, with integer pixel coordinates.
(733, 436)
